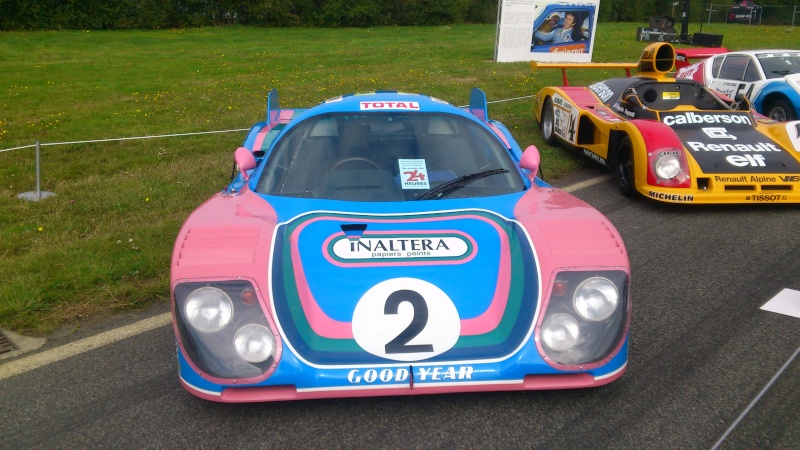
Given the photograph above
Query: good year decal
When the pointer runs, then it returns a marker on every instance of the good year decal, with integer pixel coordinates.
(728, 143)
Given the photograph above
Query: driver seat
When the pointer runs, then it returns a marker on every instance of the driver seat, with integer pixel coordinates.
(353, 139)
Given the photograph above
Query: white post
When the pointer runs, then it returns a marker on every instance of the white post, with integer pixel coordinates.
(38, 195)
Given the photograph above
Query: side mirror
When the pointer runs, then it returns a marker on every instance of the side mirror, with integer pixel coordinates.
(632, 99)
(245, 161)
(740, 102)
(530, 161)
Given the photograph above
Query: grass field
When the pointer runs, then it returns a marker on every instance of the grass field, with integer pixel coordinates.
(103, 243)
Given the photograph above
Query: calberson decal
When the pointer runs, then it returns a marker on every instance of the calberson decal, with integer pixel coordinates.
(728, 143)
(602, 91)
(693, 118)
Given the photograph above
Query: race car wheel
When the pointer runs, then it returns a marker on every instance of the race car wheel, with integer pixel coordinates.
(623, 168)
(781, 111)
(548, 118)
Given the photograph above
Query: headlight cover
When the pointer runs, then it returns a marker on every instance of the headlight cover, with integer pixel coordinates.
(254, 343)
(586, 317)
(596, 299)
(668, 166)
(208, 309)
(560, 332)
(223, 330)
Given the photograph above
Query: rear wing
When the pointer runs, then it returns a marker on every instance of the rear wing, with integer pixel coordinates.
(684, 56)
(657, 61)
(564, 66)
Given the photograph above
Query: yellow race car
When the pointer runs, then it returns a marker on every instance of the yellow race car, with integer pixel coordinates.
(670, 139)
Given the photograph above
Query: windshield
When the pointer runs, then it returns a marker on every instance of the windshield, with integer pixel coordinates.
(778, 65)
(387, 157)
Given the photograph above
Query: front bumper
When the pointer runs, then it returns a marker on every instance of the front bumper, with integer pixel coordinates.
(292, 381)
(738, 189)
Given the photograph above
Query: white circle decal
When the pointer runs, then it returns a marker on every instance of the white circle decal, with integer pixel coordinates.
(406, 319)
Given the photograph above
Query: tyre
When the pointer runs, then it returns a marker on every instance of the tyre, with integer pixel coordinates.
(548, 123)
(781, 110)
(623, 168)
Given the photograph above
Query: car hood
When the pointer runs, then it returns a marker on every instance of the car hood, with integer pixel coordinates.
(729, 143)
(356, 288)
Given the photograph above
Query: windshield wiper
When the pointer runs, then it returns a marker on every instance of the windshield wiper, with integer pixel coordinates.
(456, 184)
(783, 73)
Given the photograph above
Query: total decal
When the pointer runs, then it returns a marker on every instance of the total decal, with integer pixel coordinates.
(728, 143)
(565, 120)
(407, 106)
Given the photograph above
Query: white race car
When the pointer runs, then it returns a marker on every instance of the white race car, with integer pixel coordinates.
(770, 79)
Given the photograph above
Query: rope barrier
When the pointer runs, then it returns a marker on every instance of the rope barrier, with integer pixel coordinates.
(45, 144)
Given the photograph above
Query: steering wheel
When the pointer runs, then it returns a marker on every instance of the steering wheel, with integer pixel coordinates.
(355, 159)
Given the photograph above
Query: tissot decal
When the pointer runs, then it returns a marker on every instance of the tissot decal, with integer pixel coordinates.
(766, 198)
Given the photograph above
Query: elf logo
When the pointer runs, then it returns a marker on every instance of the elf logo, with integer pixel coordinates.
(746, 160)
(790, 178)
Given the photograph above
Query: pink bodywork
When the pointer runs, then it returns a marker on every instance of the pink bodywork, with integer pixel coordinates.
(230, 236)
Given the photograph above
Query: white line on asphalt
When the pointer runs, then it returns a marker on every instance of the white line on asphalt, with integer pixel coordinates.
(75, 348)
(755, 400)
(587, 183)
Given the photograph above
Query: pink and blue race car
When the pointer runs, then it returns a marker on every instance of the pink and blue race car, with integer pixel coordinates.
(394, 244)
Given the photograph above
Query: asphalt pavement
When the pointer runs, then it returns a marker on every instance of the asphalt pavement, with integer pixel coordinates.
(701, 352)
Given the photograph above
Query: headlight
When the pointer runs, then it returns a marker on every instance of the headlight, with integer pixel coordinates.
(208, 309)
(668, 167)
(254, 343)
(596, 299)
(586, 317)
(560, 332)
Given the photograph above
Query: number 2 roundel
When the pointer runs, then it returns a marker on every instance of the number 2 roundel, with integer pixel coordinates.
(406, 319)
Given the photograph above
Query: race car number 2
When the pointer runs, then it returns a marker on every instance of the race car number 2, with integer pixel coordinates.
(406, 319)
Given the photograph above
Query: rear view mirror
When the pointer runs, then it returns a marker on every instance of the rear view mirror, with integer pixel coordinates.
(245, 161)
(530, 161)
(632, 99)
